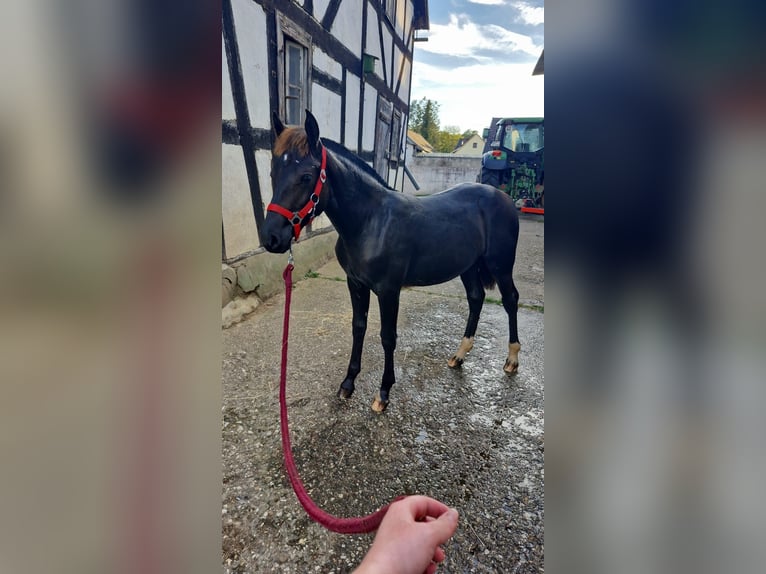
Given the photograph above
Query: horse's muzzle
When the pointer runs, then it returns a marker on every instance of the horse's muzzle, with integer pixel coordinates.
(277, 234)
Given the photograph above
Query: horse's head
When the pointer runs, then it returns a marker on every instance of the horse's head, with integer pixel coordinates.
(297, 179)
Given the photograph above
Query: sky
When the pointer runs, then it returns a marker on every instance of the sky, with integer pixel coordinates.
(478, 61)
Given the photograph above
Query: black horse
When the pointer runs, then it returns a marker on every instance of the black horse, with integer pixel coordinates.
(388, 240)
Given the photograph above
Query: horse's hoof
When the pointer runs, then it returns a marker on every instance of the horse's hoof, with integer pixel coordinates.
(466, 344)
(455, 362)
(511, 368)
(377, 405)
(345, 391)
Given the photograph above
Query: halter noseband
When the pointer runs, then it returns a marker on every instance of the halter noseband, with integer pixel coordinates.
(295, 217)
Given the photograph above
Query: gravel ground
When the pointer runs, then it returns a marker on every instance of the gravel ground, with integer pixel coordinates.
(472, 437)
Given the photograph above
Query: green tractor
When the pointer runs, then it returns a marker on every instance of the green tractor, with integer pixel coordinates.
(513, 160)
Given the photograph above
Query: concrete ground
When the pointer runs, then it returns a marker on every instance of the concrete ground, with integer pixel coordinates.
(471, 437)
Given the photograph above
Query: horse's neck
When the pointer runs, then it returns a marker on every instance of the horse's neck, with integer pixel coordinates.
(355, 196)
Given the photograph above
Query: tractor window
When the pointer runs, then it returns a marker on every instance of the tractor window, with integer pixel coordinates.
(523, 137)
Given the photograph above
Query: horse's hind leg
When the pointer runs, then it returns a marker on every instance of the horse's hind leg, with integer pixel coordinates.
(360, 302)
(475, 292)
(511, 304)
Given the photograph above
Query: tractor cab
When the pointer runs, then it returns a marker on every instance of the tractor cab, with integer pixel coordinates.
(513, 160)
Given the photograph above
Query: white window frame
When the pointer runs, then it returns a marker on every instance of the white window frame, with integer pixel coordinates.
(289, 35)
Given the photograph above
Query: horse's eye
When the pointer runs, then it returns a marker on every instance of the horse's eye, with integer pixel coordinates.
(306, 178)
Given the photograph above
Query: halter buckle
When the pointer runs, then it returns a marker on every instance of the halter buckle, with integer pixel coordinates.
(296, 218)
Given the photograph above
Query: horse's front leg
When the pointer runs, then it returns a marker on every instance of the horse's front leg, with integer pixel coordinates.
(360, 302)
(389, 311)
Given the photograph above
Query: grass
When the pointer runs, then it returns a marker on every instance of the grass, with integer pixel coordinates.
(314, 275)
(538, 308)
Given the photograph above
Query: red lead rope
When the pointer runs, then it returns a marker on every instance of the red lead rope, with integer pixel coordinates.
(360, 525)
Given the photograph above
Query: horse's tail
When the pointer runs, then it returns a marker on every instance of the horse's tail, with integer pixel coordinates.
(486, 277)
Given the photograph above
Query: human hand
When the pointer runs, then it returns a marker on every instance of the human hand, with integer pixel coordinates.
(409, 538)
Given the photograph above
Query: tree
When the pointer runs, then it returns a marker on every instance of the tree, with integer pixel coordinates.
(447, 139)
(424, 119)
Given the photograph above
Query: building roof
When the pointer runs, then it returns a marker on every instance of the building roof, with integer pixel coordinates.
(419, 142)
(420, 14)
(538, 71)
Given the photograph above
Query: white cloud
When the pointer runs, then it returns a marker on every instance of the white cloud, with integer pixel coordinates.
(488, 2)
(532, 15)
(469, 96)
(462, 37)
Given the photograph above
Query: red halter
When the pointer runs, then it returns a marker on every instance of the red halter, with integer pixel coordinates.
(295, 217)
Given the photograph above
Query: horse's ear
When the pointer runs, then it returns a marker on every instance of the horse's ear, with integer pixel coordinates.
(279, 127)
(312, 133)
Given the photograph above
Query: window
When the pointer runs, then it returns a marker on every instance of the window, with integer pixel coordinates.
(293, 70)
(296, 81)
(475, 145)
(523, 137)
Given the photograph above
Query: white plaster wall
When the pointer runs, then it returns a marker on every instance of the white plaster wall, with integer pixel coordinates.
(404, 88)
(227, 101)
(325, 105)
(352, 112)
(373, 41)
(408, 21)
(437, 172)
(320, 7)
(400, 18)
(240, 232)
(370, 117)
(263, 163)
(250, 24)
(323, 62)
(348, 24)
(387, 39)
(321, 222)
(398, 57)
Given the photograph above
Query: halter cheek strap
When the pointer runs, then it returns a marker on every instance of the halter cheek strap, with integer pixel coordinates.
(295, 217)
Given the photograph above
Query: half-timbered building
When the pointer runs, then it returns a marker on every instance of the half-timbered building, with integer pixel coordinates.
(348, 61)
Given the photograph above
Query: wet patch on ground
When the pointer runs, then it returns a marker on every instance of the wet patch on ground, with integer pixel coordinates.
(471, 437)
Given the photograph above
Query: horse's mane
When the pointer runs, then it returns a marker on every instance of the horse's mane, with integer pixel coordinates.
(294, 138)
(354, 159)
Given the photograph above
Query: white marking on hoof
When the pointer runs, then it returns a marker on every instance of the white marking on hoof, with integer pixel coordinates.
(466, 344)
(377, 405)
(511, 366)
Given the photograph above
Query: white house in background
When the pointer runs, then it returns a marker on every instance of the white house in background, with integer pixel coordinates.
(348, 61)
(472, 146)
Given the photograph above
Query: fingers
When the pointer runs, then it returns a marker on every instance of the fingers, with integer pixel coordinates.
(439, 556)
(422, 506)
(444, 526)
